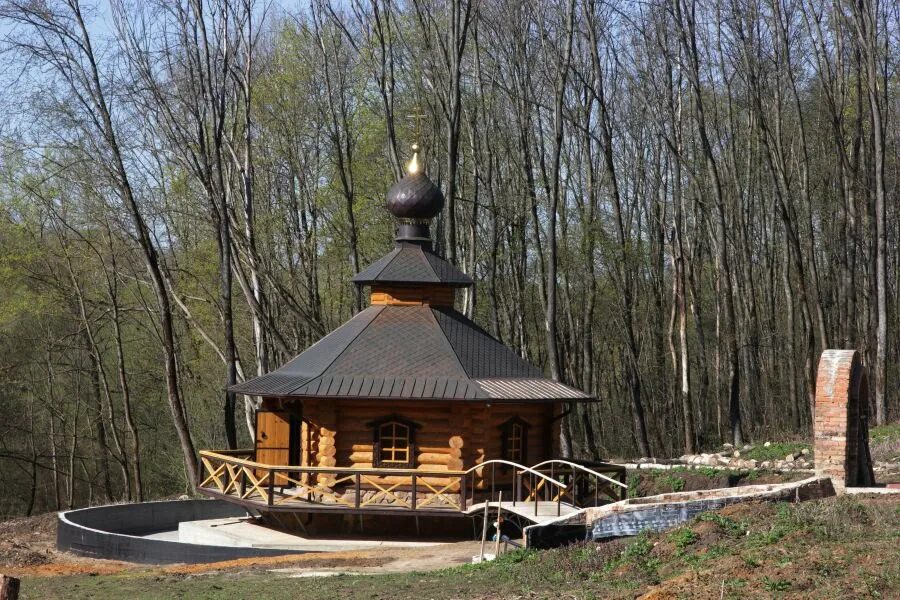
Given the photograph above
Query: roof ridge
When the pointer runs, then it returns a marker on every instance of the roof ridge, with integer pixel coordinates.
(511, 359)
(395, 251)
(462, 367)
(420, 254)
(306, 381)
(431, 310)
(437, 275)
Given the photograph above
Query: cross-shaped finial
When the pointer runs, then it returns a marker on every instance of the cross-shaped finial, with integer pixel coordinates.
(417, 116)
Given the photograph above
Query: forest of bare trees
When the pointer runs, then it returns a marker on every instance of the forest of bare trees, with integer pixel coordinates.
(673, 204)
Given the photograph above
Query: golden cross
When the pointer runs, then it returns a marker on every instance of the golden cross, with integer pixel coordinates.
(417, 116)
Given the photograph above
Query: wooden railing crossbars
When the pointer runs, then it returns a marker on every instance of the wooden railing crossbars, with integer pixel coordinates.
(231, 474)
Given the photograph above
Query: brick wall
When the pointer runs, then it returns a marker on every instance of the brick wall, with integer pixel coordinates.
(840, 431)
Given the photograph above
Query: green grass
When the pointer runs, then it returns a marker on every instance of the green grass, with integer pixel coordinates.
(882, 433)
(727, 524)
(674, 482)
(775, 451)
(884, 442)
(682, 538)
(776, 585)
(710, 472)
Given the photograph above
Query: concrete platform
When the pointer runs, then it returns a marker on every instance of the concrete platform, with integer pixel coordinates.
(147, 532)
(246, 533)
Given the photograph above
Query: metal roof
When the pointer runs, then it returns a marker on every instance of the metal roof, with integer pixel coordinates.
(412, 264)
(410, 352)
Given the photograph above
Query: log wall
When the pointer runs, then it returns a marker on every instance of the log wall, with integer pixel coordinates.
(451, 436)
(413, 295)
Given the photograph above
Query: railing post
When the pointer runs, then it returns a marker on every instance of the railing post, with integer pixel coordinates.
(462, 491)
(517, 477)
(358, 486)
(243, 481)
(537, 495)
(271, 487)
(413, 500)
(493, 480)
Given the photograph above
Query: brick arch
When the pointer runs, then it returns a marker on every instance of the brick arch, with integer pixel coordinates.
(840, 427)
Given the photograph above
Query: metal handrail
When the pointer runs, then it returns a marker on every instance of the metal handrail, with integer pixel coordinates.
(523, 468)
(581, 467)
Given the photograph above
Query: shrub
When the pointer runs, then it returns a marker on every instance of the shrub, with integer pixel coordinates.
(726, 524)
(682, 538)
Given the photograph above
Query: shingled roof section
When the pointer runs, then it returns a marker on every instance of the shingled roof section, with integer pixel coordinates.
(412, 264)
(410, 352)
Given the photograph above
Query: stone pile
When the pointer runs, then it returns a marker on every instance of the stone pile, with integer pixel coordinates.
(732, 459)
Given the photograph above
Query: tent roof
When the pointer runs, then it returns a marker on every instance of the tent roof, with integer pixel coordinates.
(412, 264)
(410, 352)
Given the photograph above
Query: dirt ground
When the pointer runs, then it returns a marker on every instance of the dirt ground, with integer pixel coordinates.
(376, 560)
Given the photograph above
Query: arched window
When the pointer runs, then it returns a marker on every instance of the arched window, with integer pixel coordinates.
(394, 443)
(514, 440)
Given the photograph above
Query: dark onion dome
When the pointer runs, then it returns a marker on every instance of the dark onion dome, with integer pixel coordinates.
(415, 198)
(414, 201)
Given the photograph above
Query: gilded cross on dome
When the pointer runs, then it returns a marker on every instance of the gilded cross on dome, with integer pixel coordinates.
(416, 116)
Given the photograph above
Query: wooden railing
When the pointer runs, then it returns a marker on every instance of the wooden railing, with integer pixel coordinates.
(279, 486)
(232, 475)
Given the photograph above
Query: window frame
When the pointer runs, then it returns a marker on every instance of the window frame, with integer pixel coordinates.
(506, 430)
(378, 460)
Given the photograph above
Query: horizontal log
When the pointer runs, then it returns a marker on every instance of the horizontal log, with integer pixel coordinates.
(437, 467)
(327, 451)
(358, 457)
(442, 428)
(438, 459)
(423, 444)
(412, 413)
(454, 452)
(403, 408)
(326, 461)
(352, 436)
(455, 465)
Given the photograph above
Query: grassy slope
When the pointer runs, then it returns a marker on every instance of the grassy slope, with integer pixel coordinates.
(835, 548)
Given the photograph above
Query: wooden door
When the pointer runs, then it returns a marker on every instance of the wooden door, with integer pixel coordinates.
(273, 439)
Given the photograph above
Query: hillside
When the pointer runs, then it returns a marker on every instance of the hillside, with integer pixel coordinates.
(833, 548)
